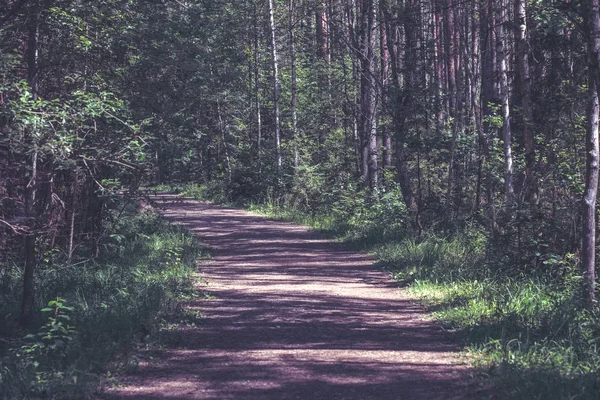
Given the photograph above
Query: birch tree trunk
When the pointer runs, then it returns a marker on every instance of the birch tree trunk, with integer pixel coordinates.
(275, 86)
(294, 89)
(256, 89)
(450, 47)
(504, 98)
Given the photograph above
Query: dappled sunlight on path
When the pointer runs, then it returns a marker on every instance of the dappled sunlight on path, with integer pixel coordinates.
(294, 317)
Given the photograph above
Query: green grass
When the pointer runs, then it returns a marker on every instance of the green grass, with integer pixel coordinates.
(529, 335)
(110, 305)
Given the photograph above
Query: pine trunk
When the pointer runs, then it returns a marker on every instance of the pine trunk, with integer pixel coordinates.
(368, 99)
(531, 184)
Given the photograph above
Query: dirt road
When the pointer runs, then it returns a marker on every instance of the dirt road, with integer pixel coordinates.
(294, 317)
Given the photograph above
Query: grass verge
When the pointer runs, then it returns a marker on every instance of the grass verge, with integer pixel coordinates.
(94, 313)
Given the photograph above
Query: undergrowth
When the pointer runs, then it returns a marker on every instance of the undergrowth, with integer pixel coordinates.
(525, 327)
(93, 312)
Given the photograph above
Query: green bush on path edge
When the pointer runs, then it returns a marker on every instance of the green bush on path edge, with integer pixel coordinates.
(94, 314)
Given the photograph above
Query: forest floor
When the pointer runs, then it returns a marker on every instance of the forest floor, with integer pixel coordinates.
(293, 315)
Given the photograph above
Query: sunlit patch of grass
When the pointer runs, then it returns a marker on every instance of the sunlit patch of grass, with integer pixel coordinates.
(319, 222)
(432, 258)
(523, 332)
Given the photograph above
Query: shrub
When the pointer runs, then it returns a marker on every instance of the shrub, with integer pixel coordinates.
(98, 310)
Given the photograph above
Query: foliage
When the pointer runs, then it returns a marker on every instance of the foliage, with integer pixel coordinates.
(101, 307)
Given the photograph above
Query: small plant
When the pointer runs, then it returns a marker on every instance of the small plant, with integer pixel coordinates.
(43, 361)
(53, 338)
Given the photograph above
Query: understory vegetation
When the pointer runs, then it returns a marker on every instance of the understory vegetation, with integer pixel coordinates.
(94, 311)
(526, 328)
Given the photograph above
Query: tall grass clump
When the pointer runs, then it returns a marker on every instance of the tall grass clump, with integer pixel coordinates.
(95, 311)
(527, 328)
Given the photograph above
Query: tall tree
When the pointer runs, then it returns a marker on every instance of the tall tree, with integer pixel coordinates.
(294, 79)
(522, 48)
(368, 99)
(588, 251)
(400, 100)
(322, 30)
(276, 85)
(503, 60)
(385, 76)
(31, 177)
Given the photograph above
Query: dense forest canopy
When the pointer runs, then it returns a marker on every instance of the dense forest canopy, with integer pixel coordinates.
(450, 116)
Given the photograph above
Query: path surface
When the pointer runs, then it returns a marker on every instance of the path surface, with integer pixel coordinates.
(294, 317)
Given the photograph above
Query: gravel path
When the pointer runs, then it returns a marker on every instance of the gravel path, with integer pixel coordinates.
(294, 317)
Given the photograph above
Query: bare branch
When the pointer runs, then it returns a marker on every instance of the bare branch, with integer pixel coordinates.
(16, 229)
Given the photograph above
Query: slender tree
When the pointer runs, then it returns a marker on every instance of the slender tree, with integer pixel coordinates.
(588, 251)
(31, 176)
(531, 184)
(276, 85)
(294, 78)
(368, 100)
(503, 59)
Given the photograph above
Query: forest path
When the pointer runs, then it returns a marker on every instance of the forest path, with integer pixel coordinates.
(295, 316)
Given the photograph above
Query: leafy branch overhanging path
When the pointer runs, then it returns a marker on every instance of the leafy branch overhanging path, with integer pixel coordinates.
(294, 317)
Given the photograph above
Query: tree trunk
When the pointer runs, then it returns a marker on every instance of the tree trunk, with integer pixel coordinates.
(28, 298)
(368, 99)
(438, 66)
(504, 98)
(397, 108)
(223, 129)
(294, 89)
(450, 41)
(256, 90)
(72, 214)
(488, 96)
(275, 86)
(531, 184)
(385, 56)
(322, 31)
(588, 250)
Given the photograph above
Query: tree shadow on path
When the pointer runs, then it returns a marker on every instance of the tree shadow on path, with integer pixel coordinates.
(294, 317)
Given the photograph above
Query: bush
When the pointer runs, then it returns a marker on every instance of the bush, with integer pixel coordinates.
(97, 310)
